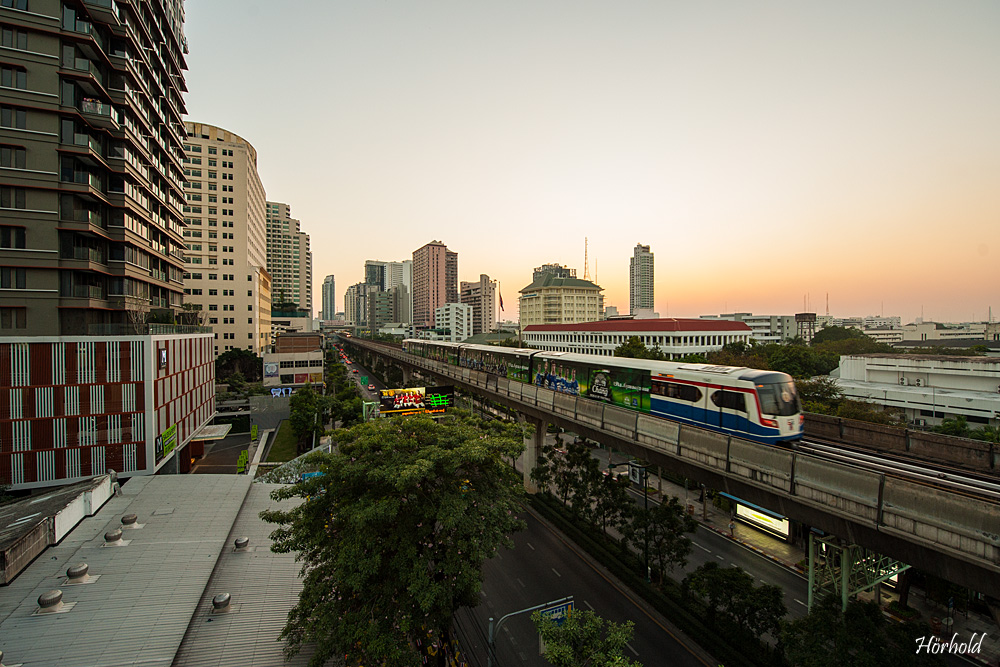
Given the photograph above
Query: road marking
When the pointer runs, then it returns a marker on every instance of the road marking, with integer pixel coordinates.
(521, 582)
(719, 557)
(702, 548)
(733, 564)
(529, 546)
(800, 602)
(588, 605)
(557, 574)
(633, 650)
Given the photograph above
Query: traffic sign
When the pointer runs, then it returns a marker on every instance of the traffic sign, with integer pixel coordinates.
(558, 613)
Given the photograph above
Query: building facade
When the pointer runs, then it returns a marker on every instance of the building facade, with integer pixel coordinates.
(482, 296)
(295, 361)
(640, 282)
(674, 337)
(75, 407)
(764, 328)
(554, 299)
(454, 323)
(328, 308)
(226, 238)
(92, 183)
(289, 258)
(435, 281)
(927, 388)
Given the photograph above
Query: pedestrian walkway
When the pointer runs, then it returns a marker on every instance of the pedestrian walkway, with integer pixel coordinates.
(962, 626)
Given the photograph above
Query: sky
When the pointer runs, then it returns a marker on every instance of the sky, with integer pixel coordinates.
(770, 153)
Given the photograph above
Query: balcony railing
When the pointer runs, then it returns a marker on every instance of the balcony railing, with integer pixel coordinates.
(88, 292)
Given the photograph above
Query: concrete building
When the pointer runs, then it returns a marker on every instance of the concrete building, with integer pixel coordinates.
(295, 361)
(641, 281)
(291, 321)
(328, 308)
(92, 175)
(944, 331)
(927, 388)
(557, 270)
(557, 298)
(764, 328)
(226, 238)
(435, 282)
(481, 295)
(454, 322)
(289, 258)
(72, 407)
(675, 337)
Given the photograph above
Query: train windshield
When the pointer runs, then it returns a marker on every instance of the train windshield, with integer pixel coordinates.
(779, 399)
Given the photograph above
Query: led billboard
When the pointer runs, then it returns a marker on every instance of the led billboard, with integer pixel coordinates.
(415, 400)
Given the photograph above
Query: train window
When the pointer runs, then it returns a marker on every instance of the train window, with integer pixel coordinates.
(731, 400)
(681, 392)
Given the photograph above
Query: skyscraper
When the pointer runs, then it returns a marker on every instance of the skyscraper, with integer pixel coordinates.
(641, 280)
(329, 305)
(93, 182)
(226, 238)
(435, 281)
(289, 259)
(481, 295)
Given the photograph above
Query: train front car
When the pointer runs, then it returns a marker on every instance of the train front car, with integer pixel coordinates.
(780, 412)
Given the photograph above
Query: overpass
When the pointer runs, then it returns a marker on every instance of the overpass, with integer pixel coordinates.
(930, 523)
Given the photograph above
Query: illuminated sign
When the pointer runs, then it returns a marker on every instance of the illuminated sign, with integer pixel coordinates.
(163, 357)
(769, 523)
(166, 442)
(415, 400)
(271, 370)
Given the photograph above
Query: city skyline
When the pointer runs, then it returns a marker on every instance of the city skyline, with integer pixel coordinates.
(770, 155)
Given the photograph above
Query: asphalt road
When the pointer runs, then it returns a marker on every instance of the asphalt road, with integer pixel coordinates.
(545, 566)
(221, 456)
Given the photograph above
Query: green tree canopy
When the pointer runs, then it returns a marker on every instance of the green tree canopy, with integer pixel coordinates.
(635, 349)
(583, 640)
(394, 533)
(828, 334)
(661, 528)
(244, 362)
(732, 598)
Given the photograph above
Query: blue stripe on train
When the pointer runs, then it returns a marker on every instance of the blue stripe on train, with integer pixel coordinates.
(688, 414)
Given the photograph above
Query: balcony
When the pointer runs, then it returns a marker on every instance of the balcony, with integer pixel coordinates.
(84, 28)
(103, 10)
(84, 66)
(88, 292)
(99, 114)
(93, 218)
(95, 255)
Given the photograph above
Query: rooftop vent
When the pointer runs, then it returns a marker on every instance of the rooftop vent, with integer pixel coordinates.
(220, 603)
(113, 538)
(242, 543)
(51, 602)
(129, 522)
(77, 575)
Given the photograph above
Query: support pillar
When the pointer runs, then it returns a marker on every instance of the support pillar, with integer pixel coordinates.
(533, 441)
(407, 376)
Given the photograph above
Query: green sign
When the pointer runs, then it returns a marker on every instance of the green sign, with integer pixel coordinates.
(166, 442)
(253, 433)
(364, 379)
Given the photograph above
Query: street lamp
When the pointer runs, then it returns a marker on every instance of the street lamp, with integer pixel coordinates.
(645, 506)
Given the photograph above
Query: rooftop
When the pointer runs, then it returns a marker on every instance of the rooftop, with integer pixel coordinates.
(667, 324)
(548, 279)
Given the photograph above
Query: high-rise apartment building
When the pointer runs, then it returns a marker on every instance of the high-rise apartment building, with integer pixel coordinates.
(481, 295)
(641, 280)
(435, 281)
(91, 185)
(289, 259)
(328, 309)
(226, 238)
(554, 297)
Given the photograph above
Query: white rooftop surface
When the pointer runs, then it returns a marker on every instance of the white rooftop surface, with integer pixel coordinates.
(153, 595)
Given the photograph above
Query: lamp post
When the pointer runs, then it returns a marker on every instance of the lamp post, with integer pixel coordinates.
(645, 507)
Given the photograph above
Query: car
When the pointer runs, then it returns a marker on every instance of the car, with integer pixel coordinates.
(371, 387)
(354, 370)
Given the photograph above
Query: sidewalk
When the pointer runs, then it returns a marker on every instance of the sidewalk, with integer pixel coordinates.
(790, 555)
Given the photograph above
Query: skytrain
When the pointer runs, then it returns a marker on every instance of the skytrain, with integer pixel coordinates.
(757, 405)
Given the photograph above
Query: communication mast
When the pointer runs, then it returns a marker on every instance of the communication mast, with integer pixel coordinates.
(586, 264)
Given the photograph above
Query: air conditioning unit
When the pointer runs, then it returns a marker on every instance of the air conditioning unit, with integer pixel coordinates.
(902, 381)
(918, 382)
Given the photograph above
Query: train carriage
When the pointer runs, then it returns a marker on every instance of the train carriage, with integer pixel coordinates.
(511, 363)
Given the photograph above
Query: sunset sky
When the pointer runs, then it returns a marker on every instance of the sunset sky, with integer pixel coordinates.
(765, 151)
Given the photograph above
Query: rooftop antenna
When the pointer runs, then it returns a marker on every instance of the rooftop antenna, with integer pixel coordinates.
(586, 264)
(828, 304)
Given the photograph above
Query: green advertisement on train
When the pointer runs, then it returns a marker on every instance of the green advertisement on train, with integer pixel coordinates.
(623, 387)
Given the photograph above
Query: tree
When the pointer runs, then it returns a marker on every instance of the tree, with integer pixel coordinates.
(858, 637)
(821, 395)
(828, 334)
(306, 415)
(660, 529)
(240, 361)
(612, 504)
(957, 427)
(394, 533)
(635, 349)
(730, 596)
(582, 641)
(987, 433)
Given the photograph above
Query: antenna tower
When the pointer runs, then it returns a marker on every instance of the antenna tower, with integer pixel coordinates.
(586, 264)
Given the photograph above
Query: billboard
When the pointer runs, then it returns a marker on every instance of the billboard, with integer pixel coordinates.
(165, 442)
(271, 369)
(415, 400)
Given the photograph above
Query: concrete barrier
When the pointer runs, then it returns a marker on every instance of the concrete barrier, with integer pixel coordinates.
(564, 404)
(544, 398)
(528, 393)
(840, 487)
(822, 426)
(961, 451)
(874, 435)
(705, 447)
(656, 432)
(619, 420)
(503, 386)
(590, 412)
(759, 463)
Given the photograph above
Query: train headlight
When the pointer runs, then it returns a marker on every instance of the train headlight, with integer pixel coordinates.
(773, 423)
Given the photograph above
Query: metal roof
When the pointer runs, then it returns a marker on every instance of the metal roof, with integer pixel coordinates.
(139, 610)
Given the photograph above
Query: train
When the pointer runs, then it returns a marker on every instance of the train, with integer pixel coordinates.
(758, 405)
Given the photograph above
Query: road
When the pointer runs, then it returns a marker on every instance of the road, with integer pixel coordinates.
(545, 566)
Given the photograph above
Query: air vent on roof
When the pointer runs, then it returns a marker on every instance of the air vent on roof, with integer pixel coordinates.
(77, 575)
(129, 522)
(51, 602)
(220, 603)
(242, 543)
(113, 538)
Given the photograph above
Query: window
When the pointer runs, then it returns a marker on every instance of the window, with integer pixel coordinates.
(212, 151)
(15, 4)
(14, 38)
(12, 156)
(682, 392)
(11, 237)
(12, 278)
(250, 307)
(13, 318)
(13, 117)
(13, 77)
(11, 197)
(730, 400)
(249, 320)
